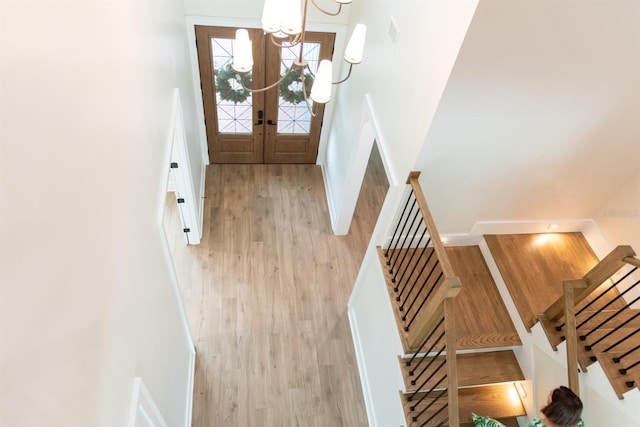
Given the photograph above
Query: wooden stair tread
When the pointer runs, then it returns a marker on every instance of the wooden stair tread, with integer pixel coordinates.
(474, 369)
(491, 324)
(487, 328)
(495, 401)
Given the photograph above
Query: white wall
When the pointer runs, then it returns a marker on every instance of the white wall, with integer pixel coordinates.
(403, 82)
(619, 217)
(88, 299)
(540, 117)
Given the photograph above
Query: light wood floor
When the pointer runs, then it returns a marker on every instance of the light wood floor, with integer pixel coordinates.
(266, 294)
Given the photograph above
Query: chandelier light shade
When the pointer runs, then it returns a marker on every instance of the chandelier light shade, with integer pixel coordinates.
(285, 22)
(271, 16)
(355, 48)
(321, 89)
(291, 17)
(282, 17)
(242, 54)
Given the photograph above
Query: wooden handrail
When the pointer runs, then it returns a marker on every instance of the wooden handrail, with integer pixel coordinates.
(436, 306)
(606, 268)
(431, 225)
(632, 260)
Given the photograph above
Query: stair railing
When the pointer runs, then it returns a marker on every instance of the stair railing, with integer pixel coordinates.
(423, 286)
(588, 330)
(436, 378)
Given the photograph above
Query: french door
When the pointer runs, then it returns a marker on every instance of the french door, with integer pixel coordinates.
(274, 126)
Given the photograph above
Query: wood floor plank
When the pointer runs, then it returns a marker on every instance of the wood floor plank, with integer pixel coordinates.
(266, 295)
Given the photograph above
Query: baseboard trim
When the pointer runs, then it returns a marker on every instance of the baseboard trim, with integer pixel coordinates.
(190, 388)
(203, 178)
(586, 226)
(364, 381)
(330, 200)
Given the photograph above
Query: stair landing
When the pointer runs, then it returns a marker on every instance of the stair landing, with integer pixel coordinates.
(534, 266)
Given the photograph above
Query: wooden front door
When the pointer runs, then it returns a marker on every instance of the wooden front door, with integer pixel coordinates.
(260, 127)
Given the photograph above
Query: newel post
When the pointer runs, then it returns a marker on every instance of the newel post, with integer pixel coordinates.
(452, 369)
(571, 334)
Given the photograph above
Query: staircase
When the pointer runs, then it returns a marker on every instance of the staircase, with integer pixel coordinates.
(466, 341)
(486, 365)
(456, 332)
(606, 326)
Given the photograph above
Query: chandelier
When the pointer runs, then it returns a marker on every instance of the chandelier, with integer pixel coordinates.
(285, 23)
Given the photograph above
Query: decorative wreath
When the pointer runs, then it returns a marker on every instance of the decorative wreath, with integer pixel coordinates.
(225, 89)
(225, 75)
(295, 96)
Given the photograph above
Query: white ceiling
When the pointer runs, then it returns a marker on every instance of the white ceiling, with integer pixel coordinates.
(540, 118)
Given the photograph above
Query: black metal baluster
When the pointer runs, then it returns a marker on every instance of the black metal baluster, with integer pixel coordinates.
(425, 382)
(435, 414)
(424, 343)
(413, 408)
(398, 225)
(584, 337)
(606, 305)
(620, 341)
(589, 347)
(403, 246)
(424, 249)
(431, 362)
(421, 287)
(559, 327)
(624, 371)
(411, 258)
(413, 285)
(424, 300)
(395, 249)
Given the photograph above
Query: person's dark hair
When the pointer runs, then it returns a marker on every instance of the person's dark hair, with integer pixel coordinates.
(565, 407)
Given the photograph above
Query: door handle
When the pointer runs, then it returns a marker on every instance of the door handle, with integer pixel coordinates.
(260, 116)
(270, 122)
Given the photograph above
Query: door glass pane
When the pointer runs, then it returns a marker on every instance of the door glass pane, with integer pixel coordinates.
(232, 101)
(293, 114)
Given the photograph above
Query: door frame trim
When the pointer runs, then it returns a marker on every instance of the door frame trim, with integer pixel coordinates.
(191, 21)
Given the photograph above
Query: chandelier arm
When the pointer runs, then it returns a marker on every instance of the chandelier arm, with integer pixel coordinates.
(306, 99)
(293, 42)
(327, 12)
(345, 79)
(265, 88)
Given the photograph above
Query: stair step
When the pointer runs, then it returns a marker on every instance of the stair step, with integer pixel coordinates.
(624, 316)
(495, 401)
(556, 337)
(485, 329)
(474, 369)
